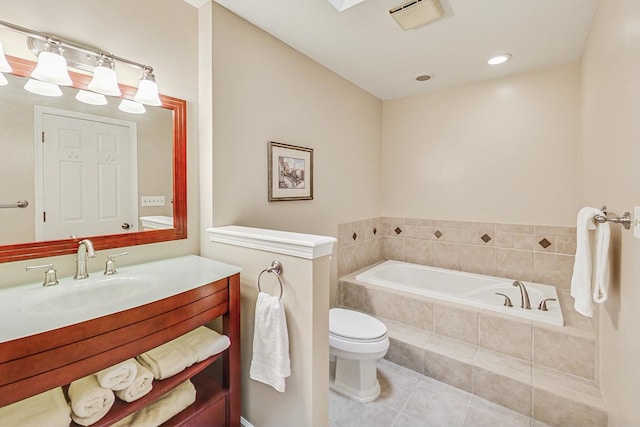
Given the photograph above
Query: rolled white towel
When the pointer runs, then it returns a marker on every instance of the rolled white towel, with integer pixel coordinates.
(45, 409)
(118, 377)
(204, 342)
(142, 385)
(163, 361)
(160, 411)
(89, 401)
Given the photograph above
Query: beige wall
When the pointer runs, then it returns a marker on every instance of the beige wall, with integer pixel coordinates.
(611, 149)
(162, 33)
(504, 151)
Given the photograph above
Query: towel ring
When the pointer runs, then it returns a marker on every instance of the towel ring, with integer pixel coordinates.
(275, 268)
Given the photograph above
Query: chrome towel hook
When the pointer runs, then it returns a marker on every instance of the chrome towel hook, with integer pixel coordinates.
(275, 268)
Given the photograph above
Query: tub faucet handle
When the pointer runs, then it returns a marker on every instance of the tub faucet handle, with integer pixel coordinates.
(507, 300)
(543, 304)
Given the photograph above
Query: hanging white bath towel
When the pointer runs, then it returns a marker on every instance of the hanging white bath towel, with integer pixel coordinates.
(270, 363)
(601, 284)
(581, 278)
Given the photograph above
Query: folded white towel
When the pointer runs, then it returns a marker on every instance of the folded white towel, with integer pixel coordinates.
(270, 363)
(141, 386)
(118, 377)
(601, 285)
(204, 342)
(163, 361)
(582, 267)
(89, 401)
(160, 411)
(45, 409)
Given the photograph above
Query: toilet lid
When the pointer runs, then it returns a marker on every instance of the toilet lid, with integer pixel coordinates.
(355, 325)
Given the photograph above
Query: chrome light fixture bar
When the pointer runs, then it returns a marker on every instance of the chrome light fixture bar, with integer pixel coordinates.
(104, 79)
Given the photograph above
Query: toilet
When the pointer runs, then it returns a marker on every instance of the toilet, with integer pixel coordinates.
(357, 341)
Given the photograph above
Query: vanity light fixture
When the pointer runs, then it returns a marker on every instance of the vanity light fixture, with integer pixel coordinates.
(51, 66)
(91, 98)
(148, 89)
(105, 80)
(4, 64)
(131, 107)
(499, 59)
(42, 88)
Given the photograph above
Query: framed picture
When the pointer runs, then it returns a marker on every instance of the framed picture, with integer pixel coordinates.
(290, 172)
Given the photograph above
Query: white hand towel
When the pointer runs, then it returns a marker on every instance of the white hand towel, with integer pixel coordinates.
(270, 363)
(163, 361)
(89, 401)
(141, 386)
(45, 409)
(160, 411)
(601, 285)
(204, 342)
(581, 279)
(118, 377)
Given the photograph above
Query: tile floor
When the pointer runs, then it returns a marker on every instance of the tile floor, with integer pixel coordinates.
(408, 399)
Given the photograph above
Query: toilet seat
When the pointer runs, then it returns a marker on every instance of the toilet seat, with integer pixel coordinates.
(355, 326)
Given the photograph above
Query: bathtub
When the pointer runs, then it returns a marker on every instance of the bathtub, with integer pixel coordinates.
(474, 290)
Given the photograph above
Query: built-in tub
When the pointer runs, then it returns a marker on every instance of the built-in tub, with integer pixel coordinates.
(475, 290)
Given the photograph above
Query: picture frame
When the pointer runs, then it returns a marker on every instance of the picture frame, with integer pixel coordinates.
(290, 174)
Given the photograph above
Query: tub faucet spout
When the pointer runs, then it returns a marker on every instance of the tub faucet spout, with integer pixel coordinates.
(524, 295)
(85, 250)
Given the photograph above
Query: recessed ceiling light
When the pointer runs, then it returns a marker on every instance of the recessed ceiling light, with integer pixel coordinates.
(342, 5)
(499, 59)
(424, 77)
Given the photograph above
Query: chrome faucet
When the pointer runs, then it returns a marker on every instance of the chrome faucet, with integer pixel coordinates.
(85, 250)
(524, 295)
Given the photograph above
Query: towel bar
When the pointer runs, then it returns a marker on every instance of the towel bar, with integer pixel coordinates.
(625, 219)
(275, 268)
(18, 204)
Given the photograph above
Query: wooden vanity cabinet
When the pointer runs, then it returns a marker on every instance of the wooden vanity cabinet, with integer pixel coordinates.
(38, 363)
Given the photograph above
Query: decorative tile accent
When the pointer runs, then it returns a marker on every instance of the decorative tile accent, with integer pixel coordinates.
(355, 236)
(438, 234)
(398, 230)
(544, 243)
(485, 238)
(374, 231)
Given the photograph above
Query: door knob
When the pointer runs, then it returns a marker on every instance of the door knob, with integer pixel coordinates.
(126, 226)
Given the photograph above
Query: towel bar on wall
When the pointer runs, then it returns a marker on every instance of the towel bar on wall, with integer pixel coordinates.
(18, 204)
(625, 219)
(275, 268)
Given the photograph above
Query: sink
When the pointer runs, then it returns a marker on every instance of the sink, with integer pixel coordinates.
(31, 309)
(89, 294)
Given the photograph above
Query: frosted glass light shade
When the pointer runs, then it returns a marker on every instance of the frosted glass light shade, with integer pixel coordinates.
(91, 98)
(42, 88)
(52, 68)
(148, 93)
(104, 81)
(4, 64)
(132, 107)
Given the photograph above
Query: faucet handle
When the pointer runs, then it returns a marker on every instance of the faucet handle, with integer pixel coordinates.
(50, 274)
(110, 264)
(507, 300)
(543, 304)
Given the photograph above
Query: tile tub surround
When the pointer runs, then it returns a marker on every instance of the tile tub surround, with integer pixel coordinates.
(492, 356)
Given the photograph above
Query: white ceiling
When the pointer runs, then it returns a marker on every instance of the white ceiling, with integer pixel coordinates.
(366, 46)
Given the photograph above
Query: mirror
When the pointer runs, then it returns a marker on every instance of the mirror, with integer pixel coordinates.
(157, 169)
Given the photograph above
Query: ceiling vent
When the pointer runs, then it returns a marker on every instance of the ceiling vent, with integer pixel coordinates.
(416, 13)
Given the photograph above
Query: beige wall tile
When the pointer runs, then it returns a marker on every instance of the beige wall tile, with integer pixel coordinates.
(380, 303)
(352, 295)
(503, 239)
(418, 221)
(512, 367)
(414, 312)
(459, 235)
(554, 230)
(550, 238)
(458, 350)
(417, 232)
(502, 390)
(515, 228)
(347, 259)
(523, 241)
(344, 233)
(456, 323)
(566, 244)
(417, 251)
(372, 250)
(448, 370)
(566, 353)
(393, 248)
(558, 411)
(407, 355)
(553, 269)
(445, 255)
(477, 259)
(505, 336)
(514, 264)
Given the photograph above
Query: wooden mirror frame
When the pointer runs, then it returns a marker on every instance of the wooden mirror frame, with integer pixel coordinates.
(48, 248)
